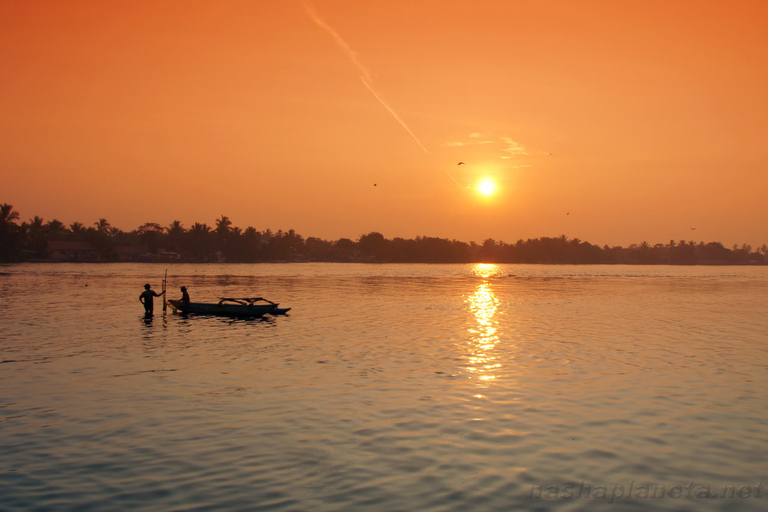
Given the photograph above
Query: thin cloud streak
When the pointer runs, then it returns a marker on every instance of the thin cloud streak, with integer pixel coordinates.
(391, 111)
(365, 74)
(454, 180)
(510, 150)
(459, 144)
(513, 148)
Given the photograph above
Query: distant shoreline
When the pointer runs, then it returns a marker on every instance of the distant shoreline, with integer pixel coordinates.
(60, 262)
(52, 241)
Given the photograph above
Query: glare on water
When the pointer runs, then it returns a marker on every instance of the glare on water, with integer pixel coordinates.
(484, 304)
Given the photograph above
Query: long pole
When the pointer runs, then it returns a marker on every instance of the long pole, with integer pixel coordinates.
(165, 285)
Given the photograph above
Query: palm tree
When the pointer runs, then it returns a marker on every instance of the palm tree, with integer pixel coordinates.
(55, 230)
(223, 224)
(114, 231)
(175, 227)
(10, 233)
(151, 234)
(102, 225)
(37, 240)
(199, 241)
(7, 214)
(175, 231)
(76, 230)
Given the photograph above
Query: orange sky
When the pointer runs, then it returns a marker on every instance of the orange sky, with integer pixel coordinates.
(613, 122)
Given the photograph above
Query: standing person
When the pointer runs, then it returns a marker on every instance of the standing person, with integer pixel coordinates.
(147, 297)
(184, 294)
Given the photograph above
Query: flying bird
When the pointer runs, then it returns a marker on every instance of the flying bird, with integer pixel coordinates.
(461, 163)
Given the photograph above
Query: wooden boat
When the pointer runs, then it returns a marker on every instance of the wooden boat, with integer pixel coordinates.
(244, 307)
(279, 311)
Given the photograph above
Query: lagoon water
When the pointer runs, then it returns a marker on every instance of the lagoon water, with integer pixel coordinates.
(386, 388)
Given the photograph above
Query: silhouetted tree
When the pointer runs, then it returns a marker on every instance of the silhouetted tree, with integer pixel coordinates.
(10, 234)
(319, 249)
(7, 214)
(151, 234)
(55, 230)
(287, 246)
(489, 251)
(374, 246)
(35, 236)
(252, 245)
(101, 225)
(99, 236)
(76, 231)
(199, 242)
(175, 235)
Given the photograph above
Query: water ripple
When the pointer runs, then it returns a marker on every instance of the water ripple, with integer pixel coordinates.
(412, 387)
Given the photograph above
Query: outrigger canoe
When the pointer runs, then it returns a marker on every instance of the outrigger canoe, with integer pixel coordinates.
(244, 307)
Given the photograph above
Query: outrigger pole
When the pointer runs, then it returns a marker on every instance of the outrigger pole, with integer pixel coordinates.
(165, 296)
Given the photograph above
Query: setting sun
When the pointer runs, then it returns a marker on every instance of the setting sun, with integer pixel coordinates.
(486, 187)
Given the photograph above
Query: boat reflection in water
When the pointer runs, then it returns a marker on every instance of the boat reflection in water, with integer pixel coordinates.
(484, 304)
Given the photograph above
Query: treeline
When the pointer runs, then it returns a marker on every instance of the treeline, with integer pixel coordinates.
(53, 240)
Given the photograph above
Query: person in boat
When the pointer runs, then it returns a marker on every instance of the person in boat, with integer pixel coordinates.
(147, 298)
(184, 295)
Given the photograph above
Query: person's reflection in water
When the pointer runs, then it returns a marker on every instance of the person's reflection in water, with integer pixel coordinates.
(147, 298)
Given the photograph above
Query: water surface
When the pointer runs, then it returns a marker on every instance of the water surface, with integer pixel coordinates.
(387, 387)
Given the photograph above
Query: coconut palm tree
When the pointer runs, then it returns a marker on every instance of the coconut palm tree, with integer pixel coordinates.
(151, 234)
(10, 233)
(199, 240)
(175, 232)
(76, 231)
(102, 225)
(55, 230)
(222, 224)
(35, 233)
(7, 214)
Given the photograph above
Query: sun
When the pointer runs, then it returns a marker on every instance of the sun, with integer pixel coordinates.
(486, 187)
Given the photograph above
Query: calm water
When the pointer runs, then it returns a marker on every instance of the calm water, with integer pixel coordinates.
(386, 388)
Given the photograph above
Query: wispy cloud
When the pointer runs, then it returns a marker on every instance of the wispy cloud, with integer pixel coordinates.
(365, 74)
(510, 148)
(470, 143)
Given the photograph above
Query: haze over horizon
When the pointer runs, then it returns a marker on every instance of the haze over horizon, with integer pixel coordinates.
(615, 123)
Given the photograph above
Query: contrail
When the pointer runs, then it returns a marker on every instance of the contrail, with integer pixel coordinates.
(365, 74)
(454, 179)
(394, 114)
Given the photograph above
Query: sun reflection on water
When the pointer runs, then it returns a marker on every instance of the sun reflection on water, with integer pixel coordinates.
(484, 334)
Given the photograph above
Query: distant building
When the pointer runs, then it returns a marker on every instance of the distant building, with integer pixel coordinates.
(217, 257)
(164, 256)
(128, 253)
(65, 250)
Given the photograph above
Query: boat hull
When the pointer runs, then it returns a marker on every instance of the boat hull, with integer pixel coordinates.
(202, 308)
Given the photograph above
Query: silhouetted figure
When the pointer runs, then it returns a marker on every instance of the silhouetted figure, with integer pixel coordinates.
(184, 294)
(147, 298)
